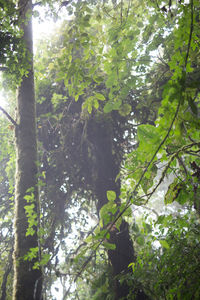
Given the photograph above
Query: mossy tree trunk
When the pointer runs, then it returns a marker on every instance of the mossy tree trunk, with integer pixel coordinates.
(27, 280)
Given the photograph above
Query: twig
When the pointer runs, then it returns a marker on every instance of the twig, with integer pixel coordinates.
(182, 149)
(37, 4)
(151, 209)
(8, 116)
(182, 164)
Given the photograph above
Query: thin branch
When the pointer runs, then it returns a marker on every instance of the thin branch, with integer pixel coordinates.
(8, 116)
(182, 149)
(65, 3)
(190, 37)
(128, 9)
(36, 4)
(182, 164)
(192, 153)
(151, 209)
(158, 149)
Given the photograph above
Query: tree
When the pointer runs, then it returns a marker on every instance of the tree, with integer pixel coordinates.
(27, 279)
(87, 158)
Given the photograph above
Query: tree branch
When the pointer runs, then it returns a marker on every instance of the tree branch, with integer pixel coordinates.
(8, 116)
(36, 4)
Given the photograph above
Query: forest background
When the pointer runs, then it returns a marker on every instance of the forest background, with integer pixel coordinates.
(100, 152)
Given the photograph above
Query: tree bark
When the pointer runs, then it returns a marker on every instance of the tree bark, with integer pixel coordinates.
(27, 281)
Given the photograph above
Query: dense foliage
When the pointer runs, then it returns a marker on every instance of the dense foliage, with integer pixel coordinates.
(117, 90)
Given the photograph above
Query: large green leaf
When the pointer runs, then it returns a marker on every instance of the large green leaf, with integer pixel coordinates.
(111, 195)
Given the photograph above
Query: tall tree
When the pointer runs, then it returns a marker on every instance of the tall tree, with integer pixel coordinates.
(27, 279)
(86, 148)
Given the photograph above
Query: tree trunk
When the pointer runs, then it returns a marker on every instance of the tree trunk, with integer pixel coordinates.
(106, 169)
(27, 281)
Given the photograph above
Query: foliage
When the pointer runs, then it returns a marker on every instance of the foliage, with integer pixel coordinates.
(99, 76)
(6, 203)
(126, 73)
(169, 270)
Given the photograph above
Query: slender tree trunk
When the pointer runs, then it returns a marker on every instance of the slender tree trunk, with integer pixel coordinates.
(27, 281)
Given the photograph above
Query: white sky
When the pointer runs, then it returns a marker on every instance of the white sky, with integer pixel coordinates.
(41, 29)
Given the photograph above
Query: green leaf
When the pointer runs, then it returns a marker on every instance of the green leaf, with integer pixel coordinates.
(100, 96)
(127, 212)
(112, 105)
(30, 190)
(140, 240)
(132, 265)
(32, 253)
(29, 208)
(29, 198)
(125, 110)
(89, 108)
(76, 97)
(108, 107)
(164, 244)
(100, 234)
(89, 239)
(109, 246)
(111, 195)
(135, 228)
(147, 133)
(172, 192)
(107, 211)
(30, 231)
(96, 103)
